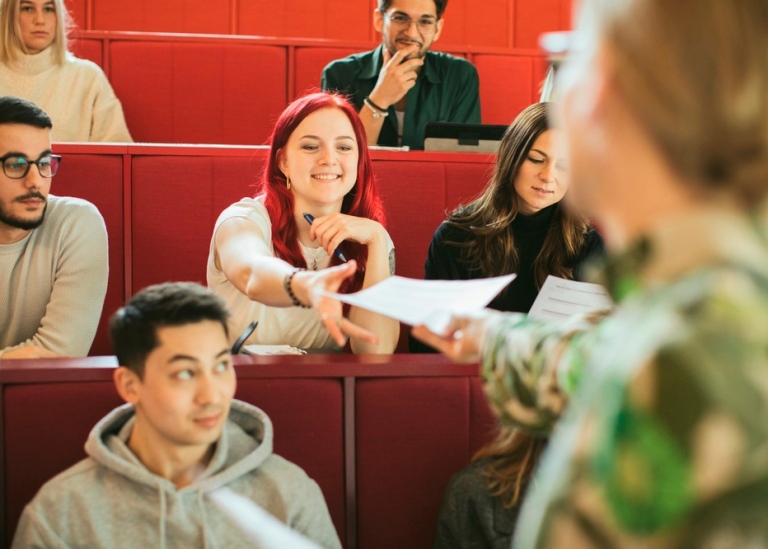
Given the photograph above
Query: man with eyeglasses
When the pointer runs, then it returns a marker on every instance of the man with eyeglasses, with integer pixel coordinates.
(401, 85)
(53, 249)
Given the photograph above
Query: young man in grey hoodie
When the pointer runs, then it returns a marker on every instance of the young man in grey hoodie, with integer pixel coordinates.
(153, 461)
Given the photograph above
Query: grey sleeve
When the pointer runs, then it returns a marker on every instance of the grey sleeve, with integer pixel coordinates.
(74, 309)
(313, 519)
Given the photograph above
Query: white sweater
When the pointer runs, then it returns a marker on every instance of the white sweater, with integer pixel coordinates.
(53, 281)
(77, 96)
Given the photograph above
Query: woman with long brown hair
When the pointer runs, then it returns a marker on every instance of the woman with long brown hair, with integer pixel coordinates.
(482, 501)
(518, 224)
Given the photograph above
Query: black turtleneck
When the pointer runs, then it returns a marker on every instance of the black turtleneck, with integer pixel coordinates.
(529, 231)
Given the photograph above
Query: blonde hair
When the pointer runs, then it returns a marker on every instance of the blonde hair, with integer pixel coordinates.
(11, 44)
(698, 83)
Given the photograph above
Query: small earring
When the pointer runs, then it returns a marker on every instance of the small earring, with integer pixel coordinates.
(288, 183)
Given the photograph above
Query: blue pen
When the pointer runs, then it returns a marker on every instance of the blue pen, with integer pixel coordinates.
(337, 252)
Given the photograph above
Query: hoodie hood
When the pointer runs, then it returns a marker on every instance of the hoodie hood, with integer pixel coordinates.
(244, 444)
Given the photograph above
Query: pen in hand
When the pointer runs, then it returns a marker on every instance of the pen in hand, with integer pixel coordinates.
(337, 252)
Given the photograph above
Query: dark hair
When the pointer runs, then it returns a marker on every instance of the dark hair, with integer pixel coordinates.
(488, 219)
(362, 201)
(14, 110)
(134, 327)
(440, 6)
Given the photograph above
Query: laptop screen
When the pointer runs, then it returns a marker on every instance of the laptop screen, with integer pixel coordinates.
(452, 136)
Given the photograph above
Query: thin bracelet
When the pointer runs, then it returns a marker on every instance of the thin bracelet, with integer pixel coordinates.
(289, 290)
(374, 105)
(376, 113)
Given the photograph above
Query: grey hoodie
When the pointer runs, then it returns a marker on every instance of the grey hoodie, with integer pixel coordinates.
(111, 500)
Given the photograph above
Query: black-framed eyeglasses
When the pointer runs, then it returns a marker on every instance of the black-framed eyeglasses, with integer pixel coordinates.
(17, 167)
(426, 25)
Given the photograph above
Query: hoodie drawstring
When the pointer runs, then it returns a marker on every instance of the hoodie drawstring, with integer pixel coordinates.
(203, 517)
(163, 512)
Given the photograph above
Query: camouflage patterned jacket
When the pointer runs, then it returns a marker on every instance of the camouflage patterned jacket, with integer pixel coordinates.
(663, 439)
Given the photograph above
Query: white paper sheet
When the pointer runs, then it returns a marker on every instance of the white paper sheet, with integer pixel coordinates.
(429, 302)
(560, 298)
(260, 529)
(272, 350)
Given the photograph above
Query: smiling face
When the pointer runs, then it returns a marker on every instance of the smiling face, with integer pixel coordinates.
(37, 20)
(188, 384)
(395, 37)
(320, 158)
(543, 176)
(23, 201)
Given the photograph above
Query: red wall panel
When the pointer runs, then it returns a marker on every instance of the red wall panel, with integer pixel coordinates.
(468, 24)
(77, 11)
(198, 189)
(98, 178)
(199, 92)
(532, 18)
(93, 50)
(505, 86)
(333, 19)
(206, 16)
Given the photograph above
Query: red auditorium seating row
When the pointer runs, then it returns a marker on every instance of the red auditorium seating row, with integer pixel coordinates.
(392, 432)
(492, 23)
(228, 89)
(160, 203)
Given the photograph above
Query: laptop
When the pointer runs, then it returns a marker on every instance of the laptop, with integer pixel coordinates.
(457, 137)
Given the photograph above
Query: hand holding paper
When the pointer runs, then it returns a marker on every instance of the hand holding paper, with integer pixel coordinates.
(430, 302)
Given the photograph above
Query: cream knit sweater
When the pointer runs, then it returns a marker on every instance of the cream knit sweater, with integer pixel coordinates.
(53, 281)
(77, 96)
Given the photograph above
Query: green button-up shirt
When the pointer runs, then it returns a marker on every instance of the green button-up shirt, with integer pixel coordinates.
(447, 90)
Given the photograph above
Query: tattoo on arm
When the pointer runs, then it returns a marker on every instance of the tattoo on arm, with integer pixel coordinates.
(392, 261)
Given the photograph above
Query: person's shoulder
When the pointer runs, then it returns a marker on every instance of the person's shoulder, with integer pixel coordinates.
(84, 65)
(71, 485)
(289, 475)
(71, 210)
(469, 483)
(448, 232)
(246, 207)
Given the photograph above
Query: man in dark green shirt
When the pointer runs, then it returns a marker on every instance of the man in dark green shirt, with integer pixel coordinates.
(401, 85)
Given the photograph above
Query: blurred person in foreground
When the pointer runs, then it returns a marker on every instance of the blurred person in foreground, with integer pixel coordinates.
(660, 407)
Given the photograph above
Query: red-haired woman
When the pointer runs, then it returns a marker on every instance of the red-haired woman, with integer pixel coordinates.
(268, 262)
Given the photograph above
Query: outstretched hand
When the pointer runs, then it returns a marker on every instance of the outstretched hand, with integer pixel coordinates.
(330, 309)
(463, 338)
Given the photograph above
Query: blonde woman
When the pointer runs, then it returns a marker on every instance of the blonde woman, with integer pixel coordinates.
(35, 65)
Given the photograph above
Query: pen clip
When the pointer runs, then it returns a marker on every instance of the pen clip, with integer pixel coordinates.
(245, 335)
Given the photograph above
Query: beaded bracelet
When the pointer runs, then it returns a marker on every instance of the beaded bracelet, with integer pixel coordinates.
(289, 290)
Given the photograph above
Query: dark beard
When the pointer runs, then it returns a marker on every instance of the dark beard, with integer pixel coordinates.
(23, 224)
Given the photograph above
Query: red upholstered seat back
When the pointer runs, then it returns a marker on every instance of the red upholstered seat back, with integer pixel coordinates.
(381, 435)
(508, 84)
(98, 178)
(312, 440)
(176, 201)
(199, 91)
(412, 435)
(45, 427)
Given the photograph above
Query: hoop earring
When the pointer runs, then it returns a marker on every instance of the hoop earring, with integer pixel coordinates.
(288, 183)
